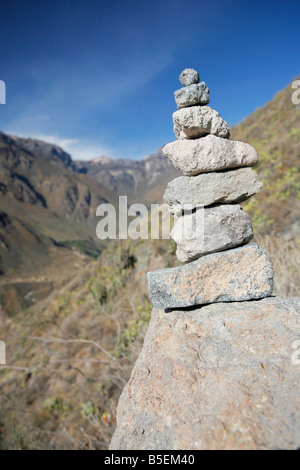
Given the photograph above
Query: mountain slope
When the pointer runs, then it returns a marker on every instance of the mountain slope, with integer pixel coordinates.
(274, 131)
(50, 152)
(140, 180)
(70, 356)
(47, 210)
(62, 389)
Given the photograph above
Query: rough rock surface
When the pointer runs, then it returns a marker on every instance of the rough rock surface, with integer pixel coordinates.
(209, 230)
(230, 276)
(192, 95)
(209, 153)
(218, 377)
(197, 121)
(211, 188)
(188, 77)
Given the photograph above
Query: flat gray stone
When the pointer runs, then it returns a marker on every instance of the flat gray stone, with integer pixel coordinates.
(192, 95)
(232, 186)
(198, 121)
(219, 377)
(188, 77)
(209, 153)
(230, 276)
(211, 230)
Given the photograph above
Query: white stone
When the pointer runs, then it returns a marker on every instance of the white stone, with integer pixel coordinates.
(197, 121)
(209, 153)
(209, 230)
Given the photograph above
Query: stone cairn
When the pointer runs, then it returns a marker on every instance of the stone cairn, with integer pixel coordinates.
(220, 265)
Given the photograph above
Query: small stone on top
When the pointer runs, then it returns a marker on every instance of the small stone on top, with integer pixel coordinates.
(189, 77)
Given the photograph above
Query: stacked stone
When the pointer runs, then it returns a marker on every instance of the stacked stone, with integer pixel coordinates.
(220, 264)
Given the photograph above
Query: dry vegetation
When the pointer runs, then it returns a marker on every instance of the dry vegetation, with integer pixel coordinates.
(71, 355)
(274, 131)
(285, 257)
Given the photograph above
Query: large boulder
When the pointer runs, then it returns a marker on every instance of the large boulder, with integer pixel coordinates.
(230, 186)
(223, 376)
(198, 121)
(209, 153)
(211, 229)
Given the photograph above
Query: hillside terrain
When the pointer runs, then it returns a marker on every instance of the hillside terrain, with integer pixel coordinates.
(274, 131)
(48, 211)
(71, 354)
(47, 217)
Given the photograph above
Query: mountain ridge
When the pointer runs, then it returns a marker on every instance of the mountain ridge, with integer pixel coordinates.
(141, 180)
(47, 214)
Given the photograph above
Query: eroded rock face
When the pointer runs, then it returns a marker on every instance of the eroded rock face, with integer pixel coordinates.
(198, 121)
(192, 95)
(209, 153)
(218, 377)
(230, 276)
(209, 230)
(188, 77)
(232, 186)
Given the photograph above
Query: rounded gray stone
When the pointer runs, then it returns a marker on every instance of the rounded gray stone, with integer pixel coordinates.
(192, 95)
(188, 77)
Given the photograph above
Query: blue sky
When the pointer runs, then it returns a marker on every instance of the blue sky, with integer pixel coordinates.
(98, 77)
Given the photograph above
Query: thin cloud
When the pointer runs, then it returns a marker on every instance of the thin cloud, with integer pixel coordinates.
(78, 149)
